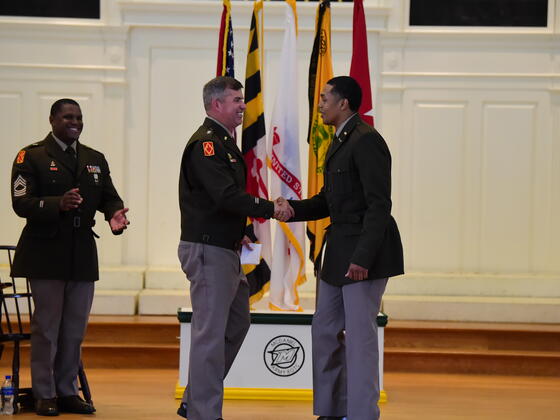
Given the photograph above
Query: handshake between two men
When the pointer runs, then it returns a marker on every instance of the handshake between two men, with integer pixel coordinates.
(282, 210)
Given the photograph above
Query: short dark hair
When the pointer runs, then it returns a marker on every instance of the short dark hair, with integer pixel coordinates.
(216, 87)
(58, 104)
(346, 87)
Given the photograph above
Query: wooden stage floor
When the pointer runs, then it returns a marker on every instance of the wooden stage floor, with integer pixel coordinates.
(147, 394)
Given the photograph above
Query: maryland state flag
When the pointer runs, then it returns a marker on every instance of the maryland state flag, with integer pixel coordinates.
(225, 43)
(253, 146)
(319, 135)
(359, 69)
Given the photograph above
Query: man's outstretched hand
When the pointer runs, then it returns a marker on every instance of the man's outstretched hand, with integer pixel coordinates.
(119, 221)
(282, 209)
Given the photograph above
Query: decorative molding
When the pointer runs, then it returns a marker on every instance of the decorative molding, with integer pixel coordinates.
(204, 14)
(515, 40)
(82, 73)
(459, 80)
(471, 75)
(63, 51)
(60, 30)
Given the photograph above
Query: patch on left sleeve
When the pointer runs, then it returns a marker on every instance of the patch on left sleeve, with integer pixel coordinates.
(208, 148)
(20, 156)
(20, 186)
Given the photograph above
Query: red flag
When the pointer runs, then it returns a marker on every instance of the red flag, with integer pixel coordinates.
(225, 43)
(359, 69)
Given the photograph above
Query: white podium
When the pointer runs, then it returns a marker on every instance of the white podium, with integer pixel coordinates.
(274, 362)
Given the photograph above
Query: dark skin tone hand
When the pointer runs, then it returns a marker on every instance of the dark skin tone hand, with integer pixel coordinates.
(71, 200)
(356, 272)
(246, 241)
(119, 221)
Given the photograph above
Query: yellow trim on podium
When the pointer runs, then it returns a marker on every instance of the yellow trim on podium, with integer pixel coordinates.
(179, 391)
(382, 397)
(274, 394)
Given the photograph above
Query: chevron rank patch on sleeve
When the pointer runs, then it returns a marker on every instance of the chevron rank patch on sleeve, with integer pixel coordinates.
(20, 186)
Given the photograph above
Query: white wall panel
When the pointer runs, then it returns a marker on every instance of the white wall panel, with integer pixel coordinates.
(176, 111)
(478, 56)
(437, 203)
(507, 187)
(11, 112)
(553, 255)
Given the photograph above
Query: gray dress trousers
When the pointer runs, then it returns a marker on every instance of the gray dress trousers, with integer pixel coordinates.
(58, 327)
(345, 352)
(220, 321)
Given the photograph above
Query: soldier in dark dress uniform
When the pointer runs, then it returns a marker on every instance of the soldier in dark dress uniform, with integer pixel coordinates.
(363, 249)
(57, 185)
(214, 210)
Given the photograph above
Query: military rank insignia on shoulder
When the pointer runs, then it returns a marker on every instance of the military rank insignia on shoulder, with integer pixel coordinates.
(20, 156)
(208, 148)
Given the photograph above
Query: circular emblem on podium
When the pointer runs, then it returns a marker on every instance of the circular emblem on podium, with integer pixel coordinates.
(284, 355)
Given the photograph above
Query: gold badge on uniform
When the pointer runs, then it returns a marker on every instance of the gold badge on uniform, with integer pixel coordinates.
(208, 148)
(20, 156)
(53, 166)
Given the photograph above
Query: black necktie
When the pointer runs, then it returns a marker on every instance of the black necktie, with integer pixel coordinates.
(72, 156)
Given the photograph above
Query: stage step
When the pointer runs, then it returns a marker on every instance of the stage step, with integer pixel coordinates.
(167, 301)
(473, 308)
(463, 347)
(410, 346)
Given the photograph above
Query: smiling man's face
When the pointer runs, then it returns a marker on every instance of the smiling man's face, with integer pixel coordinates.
(231, 108)
(67, 123)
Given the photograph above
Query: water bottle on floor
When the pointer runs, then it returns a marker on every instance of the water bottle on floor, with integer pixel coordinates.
(7, 396)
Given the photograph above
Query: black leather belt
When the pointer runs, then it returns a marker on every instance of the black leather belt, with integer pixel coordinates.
(347, 218)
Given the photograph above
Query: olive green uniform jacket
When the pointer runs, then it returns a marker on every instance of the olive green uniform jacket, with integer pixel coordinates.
(214, 204)
(56, 244)
(357, 197)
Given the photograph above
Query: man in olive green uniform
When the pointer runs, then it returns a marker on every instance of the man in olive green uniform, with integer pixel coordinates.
(363, 249)
(57, 185)
(214, 210)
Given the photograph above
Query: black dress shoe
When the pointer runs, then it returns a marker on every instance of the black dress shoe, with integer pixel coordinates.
(46, 407)
(182, 410)
(74, 404)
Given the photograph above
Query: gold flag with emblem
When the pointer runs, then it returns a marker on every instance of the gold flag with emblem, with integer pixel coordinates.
(319, 135)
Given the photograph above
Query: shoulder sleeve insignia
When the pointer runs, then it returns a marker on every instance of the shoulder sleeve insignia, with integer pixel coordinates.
(208, 148)
(20, 156)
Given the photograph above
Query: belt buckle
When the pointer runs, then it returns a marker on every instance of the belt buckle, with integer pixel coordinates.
(77, 221)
